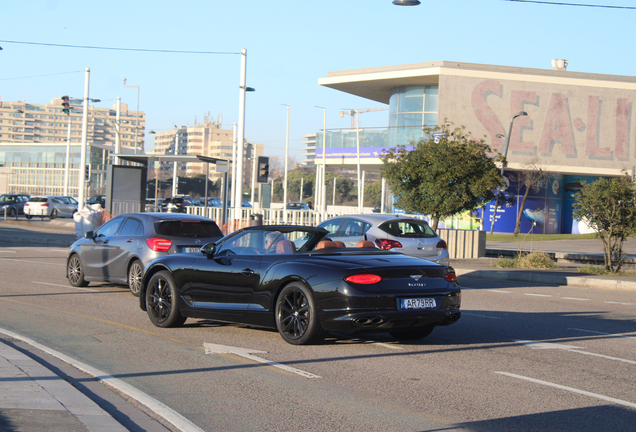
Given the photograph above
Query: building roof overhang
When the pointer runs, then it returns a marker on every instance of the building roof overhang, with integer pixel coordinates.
(377, 83)
(145, 159)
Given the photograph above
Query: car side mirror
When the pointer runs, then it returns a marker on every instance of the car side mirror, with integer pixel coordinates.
(89, 235)
(208, 249)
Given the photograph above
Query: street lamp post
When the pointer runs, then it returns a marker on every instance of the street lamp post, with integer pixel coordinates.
(505, 154)
(81, 180)
(136, 116)
(286, 160)
(238, 197)
(322, 198)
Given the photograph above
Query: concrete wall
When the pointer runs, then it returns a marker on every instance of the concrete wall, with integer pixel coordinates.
(573, 125)
(464, 243)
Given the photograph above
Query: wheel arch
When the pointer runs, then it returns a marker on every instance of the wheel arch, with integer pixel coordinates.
(148, 274)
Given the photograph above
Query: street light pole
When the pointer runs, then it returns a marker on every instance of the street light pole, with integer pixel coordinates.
(68, 156)
(286, 160)
(117, 140)
(82, 168)
(358, 153)
(238, 197)
(322, 198)
(505, 154)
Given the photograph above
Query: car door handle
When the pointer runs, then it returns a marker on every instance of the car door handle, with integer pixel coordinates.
(130, 240)
(247, 272)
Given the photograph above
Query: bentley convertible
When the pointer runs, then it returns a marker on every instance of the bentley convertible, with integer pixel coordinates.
(294, 279)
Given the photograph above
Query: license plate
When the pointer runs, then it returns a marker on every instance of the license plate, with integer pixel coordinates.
(418, 303)
(191, 249)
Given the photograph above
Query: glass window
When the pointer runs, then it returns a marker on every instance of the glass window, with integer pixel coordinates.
(431, 98)
(411, 99)
(130, 227)
(355, 228)
(110, 228)
(188, 228)
(332, 225)
(408, 229)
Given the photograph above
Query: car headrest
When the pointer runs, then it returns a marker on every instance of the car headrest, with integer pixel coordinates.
(365, 243)
(325, 244)
(285, 247)
(339, 243)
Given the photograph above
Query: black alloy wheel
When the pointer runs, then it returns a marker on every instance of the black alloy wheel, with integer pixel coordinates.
(296, 316)
(28, 216)
(75, 272)
(161, 301)
(12, 212)
(135, 275)
(413, 334)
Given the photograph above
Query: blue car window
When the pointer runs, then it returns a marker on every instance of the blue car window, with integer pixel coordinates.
(130, 227)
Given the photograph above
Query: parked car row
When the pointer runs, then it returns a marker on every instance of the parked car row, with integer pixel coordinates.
(51, 206)
(352, 273)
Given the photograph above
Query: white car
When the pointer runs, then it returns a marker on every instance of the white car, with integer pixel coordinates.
(389, 232)
(50, 206)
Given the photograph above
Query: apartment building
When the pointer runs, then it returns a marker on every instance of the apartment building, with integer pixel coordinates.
(34, 138)
(206, 139)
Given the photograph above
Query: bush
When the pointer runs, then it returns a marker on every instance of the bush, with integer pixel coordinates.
(533, 260)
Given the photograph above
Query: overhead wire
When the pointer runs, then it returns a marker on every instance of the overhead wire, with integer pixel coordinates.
(118, 49)
(573, 4)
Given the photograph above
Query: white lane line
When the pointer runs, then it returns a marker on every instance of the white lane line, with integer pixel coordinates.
(33, 262)
(570, 348)
(177, 420)
(575, 298)
(620, 303)
(63, 286)
(500, 291)
(603, 333)
(480, 316)
(247, 353)
(538, 295)
(8, 251)
(386, 345)
(571, 389)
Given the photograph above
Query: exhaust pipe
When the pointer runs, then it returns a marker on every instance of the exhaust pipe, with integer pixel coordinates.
(454, 317)
(369, 321)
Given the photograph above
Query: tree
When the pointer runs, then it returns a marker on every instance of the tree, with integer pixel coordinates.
(373, 194)
(607, 205)
(444, 176)
(532, 174)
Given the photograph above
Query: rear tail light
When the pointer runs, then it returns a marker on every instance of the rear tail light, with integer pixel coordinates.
(159, 244)
(386, 244)
(26, 204)
(44, 205)
(442, 245)
(450, 277)
(365, 279)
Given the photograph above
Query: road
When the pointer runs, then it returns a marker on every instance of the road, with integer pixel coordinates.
(522, 357)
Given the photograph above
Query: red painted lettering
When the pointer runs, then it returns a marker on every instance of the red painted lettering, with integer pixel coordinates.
(622, 129)
(557, 128)
(485, 113)
(517, 102)
(592, 150)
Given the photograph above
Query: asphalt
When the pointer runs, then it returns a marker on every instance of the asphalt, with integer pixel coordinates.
(36, 395)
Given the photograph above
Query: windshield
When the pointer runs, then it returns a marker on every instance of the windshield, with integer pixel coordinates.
(7, 198)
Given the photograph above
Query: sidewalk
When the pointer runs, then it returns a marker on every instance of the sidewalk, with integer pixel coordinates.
(33, 398)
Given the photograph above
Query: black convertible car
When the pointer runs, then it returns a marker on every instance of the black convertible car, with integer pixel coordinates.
(293, 279)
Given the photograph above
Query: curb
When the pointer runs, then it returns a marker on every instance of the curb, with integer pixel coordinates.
(548, 278)
(37, 241)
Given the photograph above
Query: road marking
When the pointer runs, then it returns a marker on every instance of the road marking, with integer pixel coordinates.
(571, 389)
(603, 333)
(63, 286)
(538, 295)
(500, 291)
(620, 303)
(386, 345)
(167, 413)
(8, 251)
(574, 298)
(33, 262)
(480, 316)
(570, 348)
(247, 353)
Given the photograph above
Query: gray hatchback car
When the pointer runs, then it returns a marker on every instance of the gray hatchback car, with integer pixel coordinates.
(120, 249)
(410, 236)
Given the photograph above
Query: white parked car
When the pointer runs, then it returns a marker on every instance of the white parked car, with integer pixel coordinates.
(50, 206)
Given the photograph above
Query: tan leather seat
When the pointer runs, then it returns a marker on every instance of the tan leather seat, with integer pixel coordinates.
(339, 243)
(325, 244)
(365, 243)
(285, 247)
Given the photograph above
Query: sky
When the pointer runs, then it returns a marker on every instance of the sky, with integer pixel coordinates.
(290, 45)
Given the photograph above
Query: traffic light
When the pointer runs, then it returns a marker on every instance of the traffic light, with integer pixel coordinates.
(87, 172)
(262, 176)
(67, 106)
